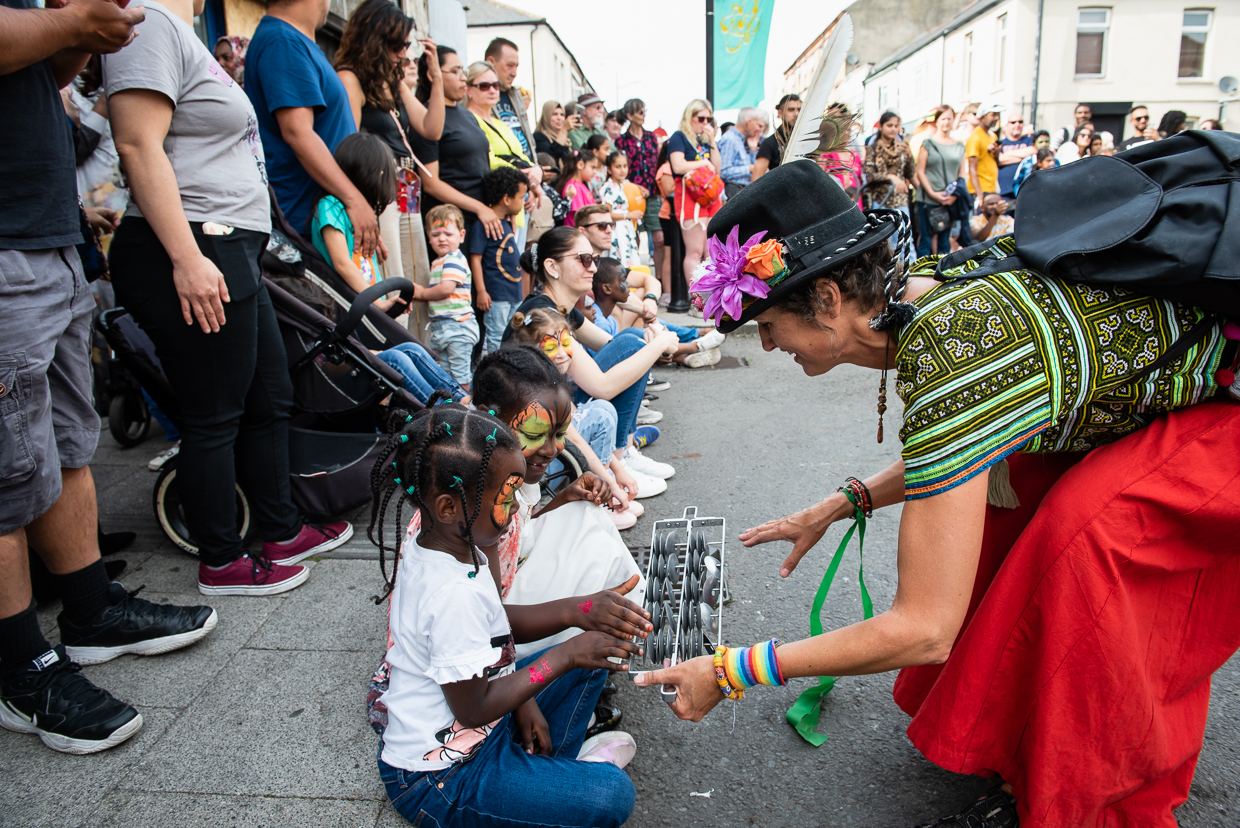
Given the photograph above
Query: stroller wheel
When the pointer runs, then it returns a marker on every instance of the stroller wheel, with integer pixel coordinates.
(170, 512)
(128, 418)
(572, 464)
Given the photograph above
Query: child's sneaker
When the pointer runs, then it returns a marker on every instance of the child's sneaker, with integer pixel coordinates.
(311, 540)
(657, 384)
(645, 436)
(615, 747)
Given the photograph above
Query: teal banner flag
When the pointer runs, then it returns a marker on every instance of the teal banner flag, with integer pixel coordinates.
(741, 29)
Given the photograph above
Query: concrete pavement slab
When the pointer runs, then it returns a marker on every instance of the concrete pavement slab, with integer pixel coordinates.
(273, 723)
(331, 611)
(178, 810)
(44, 788)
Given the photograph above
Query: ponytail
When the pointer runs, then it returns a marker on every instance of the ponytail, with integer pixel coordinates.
(553, 244)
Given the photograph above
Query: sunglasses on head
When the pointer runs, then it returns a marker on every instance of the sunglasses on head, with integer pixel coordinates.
(552, 343)
(486, 86)
(588, 260)
(606, 225)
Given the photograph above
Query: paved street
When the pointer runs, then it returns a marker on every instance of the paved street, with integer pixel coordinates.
(263, 724)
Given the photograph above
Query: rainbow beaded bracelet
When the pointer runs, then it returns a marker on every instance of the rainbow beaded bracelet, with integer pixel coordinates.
(722, 677)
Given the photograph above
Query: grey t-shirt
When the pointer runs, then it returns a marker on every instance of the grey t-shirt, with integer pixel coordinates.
(942, 166)
(213, 140)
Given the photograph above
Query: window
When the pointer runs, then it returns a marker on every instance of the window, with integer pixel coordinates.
(968, 63)
(1001, 52)
(1193, 42)
(1091, 41)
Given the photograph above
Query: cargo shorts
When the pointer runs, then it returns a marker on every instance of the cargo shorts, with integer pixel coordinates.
(47, 419)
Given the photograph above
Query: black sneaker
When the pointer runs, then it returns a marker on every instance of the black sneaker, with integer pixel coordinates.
(996, 809)
(50, 697)
(134, 625)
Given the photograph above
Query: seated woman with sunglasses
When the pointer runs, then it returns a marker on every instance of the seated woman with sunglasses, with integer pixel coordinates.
(563, 264)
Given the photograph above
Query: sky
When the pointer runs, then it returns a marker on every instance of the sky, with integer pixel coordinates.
(656, 49)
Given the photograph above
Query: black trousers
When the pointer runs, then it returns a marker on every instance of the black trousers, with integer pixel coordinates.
(233, 386)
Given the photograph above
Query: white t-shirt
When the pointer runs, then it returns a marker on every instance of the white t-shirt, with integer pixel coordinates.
(445, 626)
(212, 142)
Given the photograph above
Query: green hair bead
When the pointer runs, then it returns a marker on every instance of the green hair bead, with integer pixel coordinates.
(404, 438)
(410, 490)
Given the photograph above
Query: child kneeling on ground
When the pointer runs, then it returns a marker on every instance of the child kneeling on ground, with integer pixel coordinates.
(474, 737)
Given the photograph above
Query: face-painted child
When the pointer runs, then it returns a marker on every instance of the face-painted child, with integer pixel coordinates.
(541, 427)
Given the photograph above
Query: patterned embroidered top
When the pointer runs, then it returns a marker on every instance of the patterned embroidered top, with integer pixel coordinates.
(1021, 362)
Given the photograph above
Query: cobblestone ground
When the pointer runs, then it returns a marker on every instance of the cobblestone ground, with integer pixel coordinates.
(262, 723)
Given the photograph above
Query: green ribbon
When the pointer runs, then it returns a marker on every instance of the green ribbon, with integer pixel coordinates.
(803, 715)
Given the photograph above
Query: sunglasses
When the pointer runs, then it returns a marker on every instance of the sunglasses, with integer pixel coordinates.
(701, 119)
(402, 47)
(606, 225)
(1016, 121)
(551, 343)
(1141, 117)
(588, 260)
(486, 86)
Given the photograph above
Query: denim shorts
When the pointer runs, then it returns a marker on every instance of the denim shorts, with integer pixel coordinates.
(47, 416)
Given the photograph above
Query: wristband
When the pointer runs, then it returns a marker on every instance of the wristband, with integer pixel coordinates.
(651, 296)
(752, 666)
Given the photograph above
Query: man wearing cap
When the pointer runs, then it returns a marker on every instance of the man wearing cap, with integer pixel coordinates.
(982, 150)
(592, 115)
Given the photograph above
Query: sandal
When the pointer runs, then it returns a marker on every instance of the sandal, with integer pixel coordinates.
(996, 809)
(606, 718)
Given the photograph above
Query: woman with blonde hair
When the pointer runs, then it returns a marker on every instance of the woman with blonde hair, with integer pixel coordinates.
(551, 136)
(691, 147)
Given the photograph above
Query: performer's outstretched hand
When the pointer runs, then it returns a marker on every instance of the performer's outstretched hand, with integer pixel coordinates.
(697, 690)
(804, 529)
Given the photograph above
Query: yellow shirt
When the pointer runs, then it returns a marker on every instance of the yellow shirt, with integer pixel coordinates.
(978, 146)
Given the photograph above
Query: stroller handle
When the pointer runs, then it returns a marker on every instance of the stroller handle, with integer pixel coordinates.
(364, 300)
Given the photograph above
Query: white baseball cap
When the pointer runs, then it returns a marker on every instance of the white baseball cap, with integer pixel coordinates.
(989, 107)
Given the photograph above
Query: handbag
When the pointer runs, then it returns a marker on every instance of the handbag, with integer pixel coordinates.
(939, 218)
(703, 185)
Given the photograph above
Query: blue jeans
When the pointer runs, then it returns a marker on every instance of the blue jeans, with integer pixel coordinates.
(945, 238)
(455, 343)
(171, 432)
(422, 374)
(683, 333)
(496, 320)
(597, 424)
(629, 401)
(504, 785)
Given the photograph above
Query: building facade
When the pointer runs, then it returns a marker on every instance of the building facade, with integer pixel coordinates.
(1158, 53)
(549, 72)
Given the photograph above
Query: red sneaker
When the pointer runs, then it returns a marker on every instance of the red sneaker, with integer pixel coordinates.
(312, 539)
(249, 575)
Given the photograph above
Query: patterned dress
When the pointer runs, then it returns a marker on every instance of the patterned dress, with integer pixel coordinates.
(624, 240)
(1021, 362)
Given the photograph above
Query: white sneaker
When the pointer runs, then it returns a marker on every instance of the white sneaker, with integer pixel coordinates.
(634, 460)
(648, 416)
(645, 403)
(703, 359)
(713, 339)
(658, 384)
(615, 747)
(647, 486)
(158, 461)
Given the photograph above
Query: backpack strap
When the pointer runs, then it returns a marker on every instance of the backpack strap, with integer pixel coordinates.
(991, 261)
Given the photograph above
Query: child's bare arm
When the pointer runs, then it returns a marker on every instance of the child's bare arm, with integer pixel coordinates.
(338, 251)
(440, 291)
(481, 297)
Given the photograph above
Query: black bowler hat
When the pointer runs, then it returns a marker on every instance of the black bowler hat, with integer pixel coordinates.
(819, 227)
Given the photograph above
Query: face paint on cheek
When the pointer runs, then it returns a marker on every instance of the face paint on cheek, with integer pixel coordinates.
(502, 510)
(533, 425)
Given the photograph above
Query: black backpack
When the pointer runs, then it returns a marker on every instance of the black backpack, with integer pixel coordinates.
(1162, 219)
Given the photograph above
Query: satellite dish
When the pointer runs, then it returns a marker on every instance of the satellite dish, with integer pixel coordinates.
(1228, 84)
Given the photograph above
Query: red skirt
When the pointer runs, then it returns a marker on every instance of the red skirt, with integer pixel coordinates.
(1102, 606)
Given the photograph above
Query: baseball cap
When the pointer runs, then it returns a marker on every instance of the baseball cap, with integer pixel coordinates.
(587, 98)
(989, 107)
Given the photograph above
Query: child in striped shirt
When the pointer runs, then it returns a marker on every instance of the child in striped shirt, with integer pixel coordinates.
(454, 330)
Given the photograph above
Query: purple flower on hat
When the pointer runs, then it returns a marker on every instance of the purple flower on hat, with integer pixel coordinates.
(724, 277)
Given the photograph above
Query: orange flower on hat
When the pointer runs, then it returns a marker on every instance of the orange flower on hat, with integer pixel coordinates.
(765, 260)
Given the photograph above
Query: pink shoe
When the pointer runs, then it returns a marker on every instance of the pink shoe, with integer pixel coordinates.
(250, 576)
(614, 747)
(635, 506)
(623, 520)
(311, 540)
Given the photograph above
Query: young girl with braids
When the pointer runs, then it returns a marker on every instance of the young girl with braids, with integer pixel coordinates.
(571, 546)
(464, 717)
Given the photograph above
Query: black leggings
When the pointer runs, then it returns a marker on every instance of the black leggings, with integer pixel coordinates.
(233, 386)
